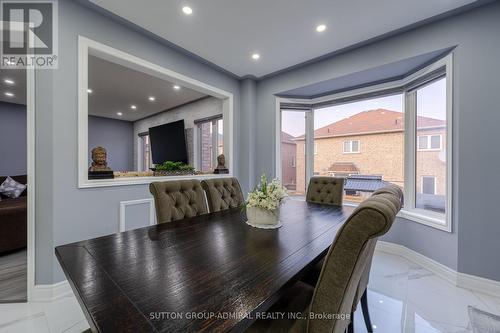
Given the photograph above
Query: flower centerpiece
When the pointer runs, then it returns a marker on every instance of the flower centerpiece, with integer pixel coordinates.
(263, 204)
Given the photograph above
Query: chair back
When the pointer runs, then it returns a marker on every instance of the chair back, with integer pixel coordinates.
(365, 277)
(325, 190)
(179, 199)
(223, 193)
(348, 258)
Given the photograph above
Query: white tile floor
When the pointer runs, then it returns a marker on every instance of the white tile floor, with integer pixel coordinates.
(403, 297)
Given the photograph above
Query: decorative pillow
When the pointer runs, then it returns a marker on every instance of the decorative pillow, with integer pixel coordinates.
(12, 189)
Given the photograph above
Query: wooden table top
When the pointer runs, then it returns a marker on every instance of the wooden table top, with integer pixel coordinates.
(202, 274)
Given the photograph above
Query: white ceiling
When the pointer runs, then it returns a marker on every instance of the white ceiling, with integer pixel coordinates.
(227, 32)
(115, 88)
(18, 88)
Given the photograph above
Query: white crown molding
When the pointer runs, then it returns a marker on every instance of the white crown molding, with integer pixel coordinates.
(461, 280)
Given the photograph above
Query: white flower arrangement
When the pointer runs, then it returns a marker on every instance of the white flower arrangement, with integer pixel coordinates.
(267, 195)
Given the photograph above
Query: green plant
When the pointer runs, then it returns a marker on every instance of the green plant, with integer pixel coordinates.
(174, 166)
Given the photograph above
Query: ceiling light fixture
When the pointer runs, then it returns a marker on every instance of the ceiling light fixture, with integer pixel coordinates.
(151, 98)
(119, 113)
(133, 107)
(255, 56)
(9, 94)
(187, 10)
(321, 28)
(9, 81)
(90, 91)
(176, 87)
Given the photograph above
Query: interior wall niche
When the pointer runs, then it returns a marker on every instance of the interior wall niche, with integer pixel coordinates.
(139, 122)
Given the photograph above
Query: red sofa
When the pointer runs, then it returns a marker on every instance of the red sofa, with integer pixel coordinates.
(13, 219)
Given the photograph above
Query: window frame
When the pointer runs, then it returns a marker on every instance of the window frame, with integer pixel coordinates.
(422, 184)
(350, 147)
(408, 86)
(214, 128)
(429, 142)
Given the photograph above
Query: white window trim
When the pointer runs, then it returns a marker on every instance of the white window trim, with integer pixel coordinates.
(315, 148)
(214, 128)
(428, 148)
(428, 218)
(86, 45)
(422, 183)
(350, 147)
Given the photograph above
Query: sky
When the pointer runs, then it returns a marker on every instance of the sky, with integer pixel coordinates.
(430, 103)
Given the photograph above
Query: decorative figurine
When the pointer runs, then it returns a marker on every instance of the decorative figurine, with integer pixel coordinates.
(221, 165)
(99, 162)
(99, 168)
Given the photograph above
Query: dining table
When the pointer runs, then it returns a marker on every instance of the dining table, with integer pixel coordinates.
(209, 273)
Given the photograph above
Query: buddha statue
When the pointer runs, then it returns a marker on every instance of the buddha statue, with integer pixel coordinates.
(221, 165)
(99, 162)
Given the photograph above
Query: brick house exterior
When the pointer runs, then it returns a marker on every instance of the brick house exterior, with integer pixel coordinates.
(288, 161)
(379, 149)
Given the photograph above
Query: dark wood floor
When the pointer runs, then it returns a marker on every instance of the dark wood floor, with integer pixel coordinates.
(13, 275)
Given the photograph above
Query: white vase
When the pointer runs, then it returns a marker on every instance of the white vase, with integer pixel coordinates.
(263, 218)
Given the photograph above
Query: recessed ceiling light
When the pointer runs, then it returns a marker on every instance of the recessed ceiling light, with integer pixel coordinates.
(255, 56)
(151, 98)
(321, 28)
(8, 81)
(119, 113)
(9, 94)
(133, 107)
(90, 91)
(176, 87)
(187, 10)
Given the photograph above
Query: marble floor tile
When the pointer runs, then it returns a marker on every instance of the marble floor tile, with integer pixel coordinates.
(72, 314)
(35, 324)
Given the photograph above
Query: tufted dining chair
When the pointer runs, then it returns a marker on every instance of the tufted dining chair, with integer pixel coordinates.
(361, 292)
(325, 190)
(328, 307)
(223, 193)
(175, 200)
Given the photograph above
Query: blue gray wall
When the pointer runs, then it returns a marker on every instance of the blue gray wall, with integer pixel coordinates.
(117, 136)
(60, 215)
(473, 246)
(13, 145)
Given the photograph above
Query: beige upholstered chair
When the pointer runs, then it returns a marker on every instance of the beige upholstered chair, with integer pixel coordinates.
(175, 200)
(361, 293)
(223, 193)
(345, 265)
(325, 190)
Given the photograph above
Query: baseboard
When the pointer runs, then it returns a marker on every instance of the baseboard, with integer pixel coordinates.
(462, 280)
(50, 292)
(480, 284)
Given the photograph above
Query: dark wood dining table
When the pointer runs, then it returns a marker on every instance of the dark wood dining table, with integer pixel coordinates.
(210, 273)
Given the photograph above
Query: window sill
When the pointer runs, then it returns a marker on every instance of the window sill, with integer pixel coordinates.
(437, 222)
(124, 181)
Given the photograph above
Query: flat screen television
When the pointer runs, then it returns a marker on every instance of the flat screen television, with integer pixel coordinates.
(168, 143)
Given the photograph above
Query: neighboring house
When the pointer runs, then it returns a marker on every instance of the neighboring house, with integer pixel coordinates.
(371, 143)
(288, 161)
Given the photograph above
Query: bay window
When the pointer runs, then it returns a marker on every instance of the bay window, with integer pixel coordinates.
(405, 129)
